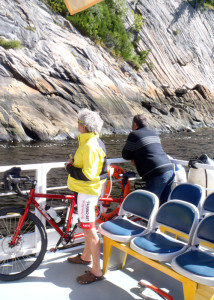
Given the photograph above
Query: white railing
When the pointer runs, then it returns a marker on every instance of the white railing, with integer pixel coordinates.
(42, 169)
(41, 173)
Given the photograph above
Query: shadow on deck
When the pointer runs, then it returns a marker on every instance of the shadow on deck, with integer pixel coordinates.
(55, 279)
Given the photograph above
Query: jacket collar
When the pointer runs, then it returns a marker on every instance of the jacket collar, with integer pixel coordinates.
(84, 137)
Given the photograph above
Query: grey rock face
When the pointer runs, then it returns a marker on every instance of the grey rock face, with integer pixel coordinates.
(58, 71)
(181, 40)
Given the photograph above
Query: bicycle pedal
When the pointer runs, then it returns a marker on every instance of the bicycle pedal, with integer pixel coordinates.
(53, 250)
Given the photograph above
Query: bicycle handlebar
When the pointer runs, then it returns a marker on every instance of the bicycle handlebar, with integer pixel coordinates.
(16, 181)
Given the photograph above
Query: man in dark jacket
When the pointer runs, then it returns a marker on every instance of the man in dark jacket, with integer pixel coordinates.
(143, 147)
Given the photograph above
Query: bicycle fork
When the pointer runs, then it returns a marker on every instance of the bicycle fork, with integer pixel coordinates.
(15, 238)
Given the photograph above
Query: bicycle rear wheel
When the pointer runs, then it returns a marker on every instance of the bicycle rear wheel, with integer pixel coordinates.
(20, 260)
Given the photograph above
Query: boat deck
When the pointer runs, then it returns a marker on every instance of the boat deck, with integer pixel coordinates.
(56, 279)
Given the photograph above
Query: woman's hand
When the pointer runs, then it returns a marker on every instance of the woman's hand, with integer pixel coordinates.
(70, 161)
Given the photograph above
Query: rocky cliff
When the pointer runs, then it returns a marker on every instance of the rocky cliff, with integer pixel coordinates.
(58, 71)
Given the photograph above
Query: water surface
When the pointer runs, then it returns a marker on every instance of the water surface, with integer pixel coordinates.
(179, 145)
(183, 146)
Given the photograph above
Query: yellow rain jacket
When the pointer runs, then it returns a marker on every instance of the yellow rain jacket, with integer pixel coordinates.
(89, 170)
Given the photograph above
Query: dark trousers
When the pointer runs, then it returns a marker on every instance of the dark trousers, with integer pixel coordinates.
(161, 185)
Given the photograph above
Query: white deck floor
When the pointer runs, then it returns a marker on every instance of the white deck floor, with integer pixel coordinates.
(55, 279)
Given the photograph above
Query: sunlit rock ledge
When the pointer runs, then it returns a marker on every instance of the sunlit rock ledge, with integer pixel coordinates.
(58, 71)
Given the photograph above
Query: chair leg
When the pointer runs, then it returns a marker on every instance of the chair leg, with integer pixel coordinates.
(189, 290)
(107, 248)
(124, 260)
(204, 292)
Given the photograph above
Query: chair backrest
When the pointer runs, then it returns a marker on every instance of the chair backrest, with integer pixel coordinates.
(141, 203)
(208, 205)
(178, 215)
(189, 192)
(204, 231)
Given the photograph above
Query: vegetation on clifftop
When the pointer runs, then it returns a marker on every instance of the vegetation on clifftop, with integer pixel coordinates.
(203, 3)
(104, 23)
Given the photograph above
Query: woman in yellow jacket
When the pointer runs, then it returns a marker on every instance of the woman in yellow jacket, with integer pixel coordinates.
(87, 173)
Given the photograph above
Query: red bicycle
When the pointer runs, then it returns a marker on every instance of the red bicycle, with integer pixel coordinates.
(21, 230)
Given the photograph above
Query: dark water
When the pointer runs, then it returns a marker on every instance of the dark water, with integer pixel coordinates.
(179, 145)
(189, 145)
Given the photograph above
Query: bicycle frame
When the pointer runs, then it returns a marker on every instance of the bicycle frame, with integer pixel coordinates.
(24, 239)
(32, 201)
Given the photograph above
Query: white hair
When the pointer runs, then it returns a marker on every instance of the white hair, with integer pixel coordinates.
(91, 119)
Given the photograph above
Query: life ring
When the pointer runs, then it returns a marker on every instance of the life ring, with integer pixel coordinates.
(102, 217)
(115, 173)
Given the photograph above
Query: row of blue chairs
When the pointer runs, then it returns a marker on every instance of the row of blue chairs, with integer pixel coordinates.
(182, 213)
(195, 194)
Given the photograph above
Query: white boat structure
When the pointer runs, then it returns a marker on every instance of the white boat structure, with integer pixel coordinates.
(55, 278)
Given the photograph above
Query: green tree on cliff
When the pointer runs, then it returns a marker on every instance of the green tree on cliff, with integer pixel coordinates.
(203, 3)
(104, 24)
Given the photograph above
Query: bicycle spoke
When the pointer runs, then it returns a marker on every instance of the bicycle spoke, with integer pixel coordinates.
(20, 259)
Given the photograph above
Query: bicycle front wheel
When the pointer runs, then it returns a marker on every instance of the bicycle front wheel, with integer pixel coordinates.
(19, 260)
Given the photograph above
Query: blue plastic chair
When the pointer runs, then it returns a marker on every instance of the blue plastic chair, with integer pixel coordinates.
(177, 215)
(208, 205)
(141, 204)
(197, 263)
(189, 192)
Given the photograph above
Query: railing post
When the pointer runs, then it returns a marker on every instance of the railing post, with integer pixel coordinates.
(41, 187)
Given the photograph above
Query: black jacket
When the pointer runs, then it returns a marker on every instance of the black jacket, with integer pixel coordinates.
(144, 147)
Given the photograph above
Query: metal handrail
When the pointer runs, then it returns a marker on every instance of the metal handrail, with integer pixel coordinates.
(42, 169)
